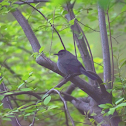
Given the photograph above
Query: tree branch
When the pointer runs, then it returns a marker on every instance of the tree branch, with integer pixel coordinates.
(105, 47)
(89, 106)
(49, 23)
(31, 1)
(27, 30)
(24, 92)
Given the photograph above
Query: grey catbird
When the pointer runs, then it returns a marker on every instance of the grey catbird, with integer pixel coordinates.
(68, 64)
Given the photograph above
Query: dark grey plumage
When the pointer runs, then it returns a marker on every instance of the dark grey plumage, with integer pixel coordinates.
(68, 64)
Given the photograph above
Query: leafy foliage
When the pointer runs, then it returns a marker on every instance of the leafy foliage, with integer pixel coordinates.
(20, 72)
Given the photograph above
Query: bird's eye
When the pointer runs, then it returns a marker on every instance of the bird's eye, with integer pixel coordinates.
(61, 54)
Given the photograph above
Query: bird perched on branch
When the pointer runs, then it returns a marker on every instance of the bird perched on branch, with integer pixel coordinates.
(69, 65)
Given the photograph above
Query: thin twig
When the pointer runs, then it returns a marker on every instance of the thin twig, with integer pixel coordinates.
(67, 121)
(111, 49)
(48, 22)
(88, 47)
(116, 16)
(74, 45)
(87, 26)
(52, 32)
(33, 121)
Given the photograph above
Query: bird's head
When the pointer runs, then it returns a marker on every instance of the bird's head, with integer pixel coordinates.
(61, 53)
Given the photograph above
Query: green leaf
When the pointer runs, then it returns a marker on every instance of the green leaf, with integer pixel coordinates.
(109, 90)
(41, 49)
(1, 104)
(104, 4)
(30, 74)
(8, 93)
(120, 100)
(25, 77)
(121, 105)
(21, 107)
(21, 85)
(58, 2)
(111, 111)
(47, 100)
(93, 114)
(64, 12)
(1, 97)
(122, 123)
(7, 119)
(52, 107)
(124, 63)
(28, 114)
(26, 89)
(71, 22)
(99, 124)
(118, 83)
(4, 3)
(105, 106)
(35, 54)
(1, 79)
(110, 105)
(44, 96)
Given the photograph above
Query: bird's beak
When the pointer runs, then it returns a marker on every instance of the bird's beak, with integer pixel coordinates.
(55, 54)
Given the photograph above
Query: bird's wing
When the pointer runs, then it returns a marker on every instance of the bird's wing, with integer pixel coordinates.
(72, 65)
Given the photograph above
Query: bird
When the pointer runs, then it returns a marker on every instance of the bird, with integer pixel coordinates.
(68, 64)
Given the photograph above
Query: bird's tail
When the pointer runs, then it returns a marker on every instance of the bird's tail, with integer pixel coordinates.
(93, 77)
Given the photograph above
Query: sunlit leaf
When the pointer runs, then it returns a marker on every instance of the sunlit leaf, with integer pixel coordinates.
(26, 89)
(47, 100)
(120, 100)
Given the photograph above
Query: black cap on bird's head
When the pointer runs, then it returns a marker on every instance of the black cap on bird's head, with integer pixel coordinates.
(61, 52)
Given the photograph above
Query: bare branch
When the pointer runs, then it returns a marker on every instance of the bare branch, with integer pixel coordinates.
(105, 47)
(33, 121)
(31, 1)
(111, 50)
(70, 89)
(88, 26)
(24, 92)
(88, 106)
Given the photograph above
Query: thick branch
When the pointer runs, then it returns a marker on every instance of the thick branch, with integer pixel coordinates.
(89, 106)
(105, 47)
(27, 30)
